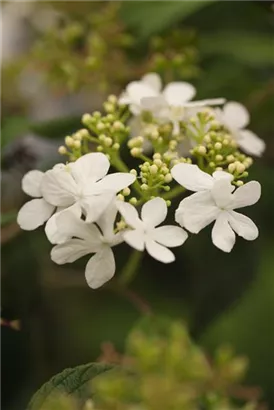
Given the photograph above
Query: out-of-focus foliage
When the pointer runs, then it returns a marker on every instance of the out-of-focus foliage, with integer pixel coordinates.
(162, 369)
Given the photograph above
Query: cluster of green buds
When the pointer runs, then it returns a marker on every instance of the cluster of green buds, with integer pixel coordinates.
(164, 370)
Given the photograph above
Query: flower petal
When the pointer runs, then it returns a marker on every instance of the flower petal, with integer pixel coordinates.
(246, 195)
(137, 90)
(130, 214)
(106, 221)
(222, 235)
(90, 168)
(191, 177)
(34, 213)
(100, 268)
(159, 252)
(222, 174)
(95, 205)
(169, 235)
(70, 251)
(235, 115)
(222, 193)
(153, 80)
(67, 224)
(154, 212)
(243, 226)
(204, 103)
(196, 211)
(251, 143)
(31, 183)
(59, 188)
(178, 92)
(157, 105)
(135, 239)
(114, 182)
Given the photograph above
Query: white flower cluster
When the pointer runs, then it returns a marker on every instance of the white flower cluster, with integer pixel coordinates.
(88, 211)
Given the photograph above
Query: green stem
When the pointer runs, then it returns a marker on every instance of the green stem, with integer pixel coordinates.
(174, 192)
(121, 166)
(130, 268)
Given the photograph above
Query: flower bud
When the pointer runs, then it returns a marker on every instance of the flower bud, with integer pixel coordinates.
(219, 158)
(101, 126)
(230, 158)
(201, 149)
(135, 152)
(133, 172)
(239, 183)
(102, 137)
(144, 187)
(157, 156)
(118, 126)
(168, 203)
(62, 150)
(158, 162)
(231, 167)
(108, 142)
(133, 200)
(218, 146)
(116, 146)
(69, 141)
(112, 99)
(168, 178)
(100, 148)
(120, 197)
(126, 191)
(86, 119)
(77, 144)
(153, 169)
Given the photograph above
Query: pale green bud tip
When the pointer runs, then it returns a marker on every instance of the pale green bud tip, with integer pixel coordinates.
(157, 156)
(118, 125)
(153, 169)
(239, 183)
(101, 126)
(158, 162)
(100, 148)
(231, 167)
(135, 152)
(219, 157)
(133, 172)
(133, 200)
(108, 142)
(69, 141)
(77, 144)
(168, 178)
(120, 197)
(62, 150)
(240, 168)
(230, 158)
(218, 146)
(144, 187)
(116, 146)
(168, 202)
(112, 99)
(86, 118)
(201, 150)
(126, 191)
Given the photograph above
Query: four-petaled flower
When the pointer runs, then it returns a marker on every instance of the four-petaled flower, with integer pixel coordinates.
(214, 200)
(174, 103)
(86, 238)
(145, 235)
(235, 117)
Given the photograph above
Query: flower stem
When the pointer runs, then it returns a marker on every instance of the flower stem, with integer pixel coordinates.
(174, 192)
(130, 268)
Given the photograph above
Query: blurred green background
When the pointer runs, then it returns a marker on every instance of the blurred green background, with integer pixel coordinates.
(226, 49)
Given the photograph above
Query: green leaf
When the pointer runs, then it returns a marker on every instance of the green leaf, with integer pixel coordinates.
(250, 48)
(72, 381)
(151, 17)
(57, 128)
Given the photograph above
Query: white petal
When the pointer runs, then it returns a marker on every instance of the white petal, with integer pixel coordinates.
(169, 235)
(67, 224)
(34, 213)
(135, 239)
(204, 103)
(70, 251)
(191, 177)
(95, 205)
(222, 174)
(90, 168)
(154, 212)
(222, 235)
(130, 214)
(246, 195)
(243, 226)
(100, 268)
(251, 143)
(115, 182)
(31, 183)
(153, 80)
(107, 219)
(177, 93)
(159, 252)
(236, 115)
(124, 99)
(196, 211)
(59, 188)
(138, 90)
(222, 193)
(157, 105)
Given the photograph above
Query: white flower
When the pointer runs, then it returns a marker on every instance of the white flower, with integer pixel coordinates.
(150, 85)
(235, 118)
(36, 212)
(173, 104)
(86, 238)
(85, 185)
(214, 201)
(144, 233)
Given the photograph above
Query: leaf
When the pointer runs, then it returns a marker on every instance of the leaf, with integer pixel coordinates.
(254, 49)
(57, 128)
(151, 17)
(72, 381)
